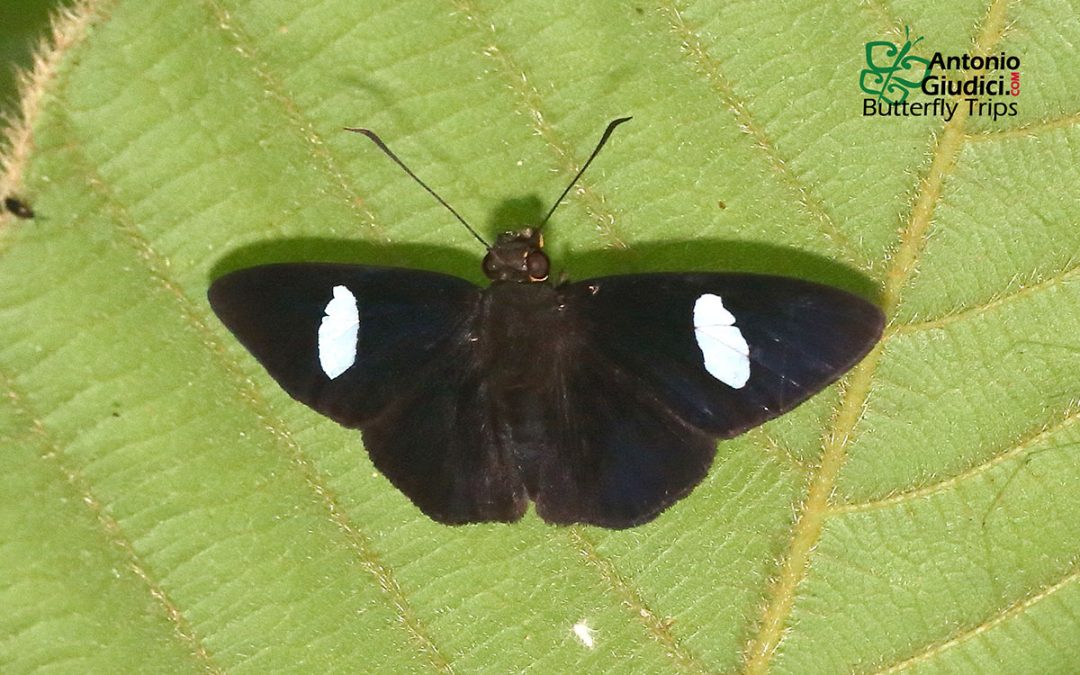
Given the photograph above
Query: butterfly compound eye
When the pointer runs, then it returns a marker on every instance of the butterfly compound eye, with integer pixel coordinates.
(491, 266)
(537, 265)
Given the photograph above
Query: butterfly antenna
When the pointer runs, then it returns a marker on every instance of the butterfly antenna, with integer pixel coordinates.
(390, 153)
(603, 140)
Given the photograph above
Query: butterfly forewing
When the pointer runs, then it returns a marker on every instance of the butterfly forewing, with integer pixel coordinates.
(295, 319)
(798, 338)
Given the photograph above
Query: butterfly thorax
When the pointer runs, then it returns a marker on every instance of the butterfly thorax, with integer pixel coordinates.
(522, 345)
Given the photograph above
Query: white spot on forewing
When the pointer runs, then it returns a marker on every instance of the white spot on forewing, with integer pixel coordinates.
(584, 633)
(338, 332)
(727, 356)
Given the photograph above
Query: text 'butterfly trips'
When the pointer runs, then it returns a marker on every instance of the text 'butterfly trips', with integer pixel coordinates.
(601, 401)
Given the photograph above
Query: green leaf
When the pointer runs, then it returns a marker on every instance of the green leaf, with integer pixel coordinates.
(166, 507)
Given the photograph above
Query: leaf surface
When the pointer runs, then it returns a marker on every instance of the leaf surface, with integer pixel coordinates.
(166, 507)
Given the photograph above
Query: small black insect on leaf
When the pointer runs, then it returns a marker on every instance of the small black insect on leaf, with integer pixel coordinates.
(601, 401)
(18, 208)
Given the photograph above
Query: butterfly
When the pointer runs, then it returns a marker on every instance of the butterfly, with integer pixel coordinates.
(601, 401)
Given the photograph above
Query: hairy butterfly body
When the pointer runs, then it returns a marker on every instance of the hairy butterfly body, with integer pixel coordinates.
(601, 400)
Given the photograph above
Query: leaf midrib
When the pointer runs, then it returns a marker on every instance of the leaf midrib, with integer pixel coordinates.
(810, 523)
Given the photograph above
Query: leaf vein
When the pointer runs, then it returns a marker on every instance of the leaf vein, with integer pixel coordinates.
(812, 513)
(773, 446)
(885, 14)
(656, 627)
(321, 155)
(708, 66)
(596, 207)
(1005, 614)
(111, 530)
(1022, 444)
(362, 546)
(530, 99)
(1062, 277)
(1027, 130)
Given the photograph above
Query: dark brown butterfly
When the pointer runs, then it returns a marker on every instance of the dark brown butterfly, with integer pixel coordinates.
(599, 400)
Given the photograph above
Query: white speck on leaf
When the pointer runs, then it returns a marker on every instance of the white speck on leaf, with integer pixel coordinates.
(584, 633)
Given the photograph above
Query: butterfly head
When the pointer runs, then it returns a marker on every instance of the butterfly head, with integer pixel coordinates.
(518, 257)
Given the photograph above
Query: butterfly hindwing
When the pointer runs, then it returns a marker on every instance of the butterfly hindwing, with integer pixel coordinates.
(618, 454)
(438, 446)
